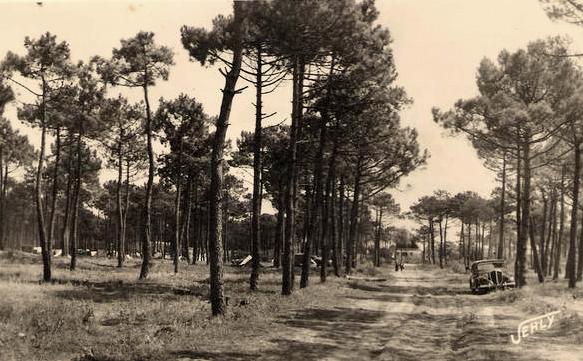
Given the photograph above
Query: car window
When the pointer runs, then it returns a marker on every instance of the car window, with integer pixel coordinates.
(485, 267)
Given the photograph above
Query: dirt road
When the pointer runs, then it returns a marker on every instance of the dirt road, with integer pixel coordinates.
(419, 315)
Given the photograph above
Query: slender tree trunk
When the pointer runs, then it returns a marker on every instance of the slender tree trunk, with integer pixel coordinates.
(257, 164)
(279, 231)
(46, 247)
(553, 238)
(571, 258)
(523, 219)
(335, 241)
(462, 247)
(500, 251)
(186, 216)
(352, 236)
(424, 240)
(490, 239)
(75, 220)
(377, 242)
(127, 203)
(535, 260)
(552, 216)
(217, 167)
(290, 192)
(176, 243)
(482, 240)
(477, 242)
(314, 223)
(440, 244)
(342, 247)
(432, 239)
(3, 206)
(445, 238)
(55, 190)
(120, 233)
(177, 223)
(543, 232)
(197, 235)
(580, 255)
(327, 221)
(2, 197)
(67, 216)
(469, 245)
(147, 217)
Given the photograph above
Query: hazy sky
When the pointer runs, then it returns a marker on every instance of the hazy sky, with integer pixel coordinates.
(438, 45)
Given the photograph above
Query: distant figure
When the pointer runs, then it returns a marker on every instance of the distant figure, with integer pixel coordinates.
(401, 265)
(396, 265)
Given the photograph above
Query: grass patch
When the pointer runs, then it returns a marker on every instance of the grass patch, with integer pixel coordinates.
(101, 312)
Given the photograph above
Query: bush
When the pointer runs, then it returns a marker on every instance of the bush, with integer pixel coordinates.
(367, 268)
(457, 267)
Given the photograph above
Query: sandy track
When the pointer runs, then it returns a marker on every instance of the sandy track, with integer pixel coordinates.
(417, 315)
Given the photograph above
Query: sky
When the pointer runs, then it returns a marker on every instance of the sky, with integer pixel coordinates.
(437, 45)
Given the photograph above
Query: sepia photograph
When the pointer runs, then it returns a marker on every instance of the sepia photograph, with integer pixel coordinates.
(241, 180)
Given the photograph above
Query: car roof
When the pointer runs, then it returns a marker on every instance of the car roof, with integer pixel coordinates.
(489, 261)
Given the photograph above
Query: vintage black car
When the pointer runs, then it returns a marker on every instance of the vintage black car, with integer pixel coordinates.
(489, 274)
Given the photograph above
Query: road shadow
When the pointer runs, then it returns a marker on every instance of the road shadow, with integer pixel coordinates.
(294, 350)
(339, 325)
(111, 291)
(221, 356)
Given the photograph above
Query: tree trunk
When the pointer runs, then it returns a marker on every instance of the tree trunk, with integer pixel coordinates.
(176, 243)
(217, 296)
(462, 247)
(287, 261)
(147, 217)
(314, 225)
(490, 239)
(482, 240)
(44, 244)
(341, 242)
(571, 258)
(257, 164)
(445, 238)
(551, 218)
(197, 235)
(352, 235)
(424, 240)
(120, 233)
(335, 241)
(75, 220)
(559, 241)
(377, 241)
(55, 190)
(468, 250)
(186, 216)
(524, 216)
(327, 221)
(553, 239)
(67, 216)
(500, 250)
(2, 197)
(535, 258)
(580, 255)
(432, 239)
(279, 231)
(543, 232)
(127, 203)
(440, 244)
